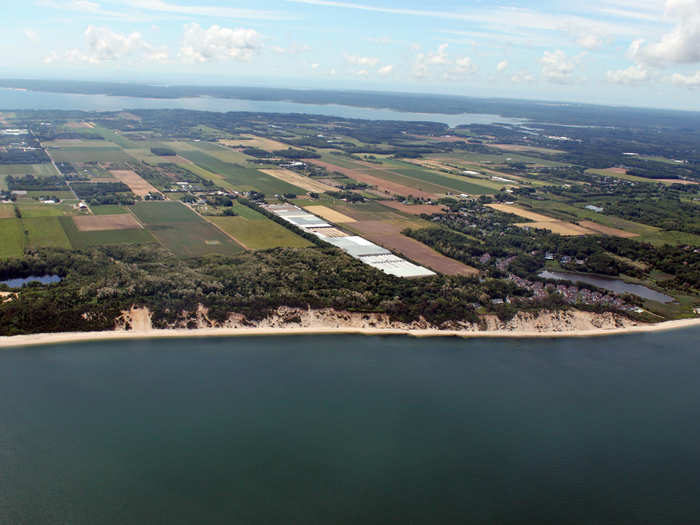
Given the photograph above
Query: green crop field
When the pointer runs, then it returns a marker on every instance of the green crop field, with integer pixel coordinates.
(79, 240)
(38, 170)
(45, 232)
(89, 154)
(183, 231)
(108, 209)
(240, 178)
(164, 212)
(446, 182)
(31, 208)
(256, 231)
(12, 236)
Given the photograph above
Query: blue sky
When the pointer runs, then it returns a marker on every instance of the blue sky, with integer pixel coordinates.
(631, 52)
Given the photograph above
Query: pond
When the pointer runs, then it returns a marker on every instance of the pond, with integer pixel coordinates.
(608, 283)
(43, 279)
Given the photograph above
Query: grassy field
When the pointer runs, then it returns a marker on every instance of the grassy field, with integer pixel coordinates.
(12, 236)
(108, 209)
(31, 208)
(182, 231)
(7, 211)
(565, 211)
(89, 154)
(80, 239)
(45, 232)
(659, 238)
(256, 231)
(38, 170)
(240, 178)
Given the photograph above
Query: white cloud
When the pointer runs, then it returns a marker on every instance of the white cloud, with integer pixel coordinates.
(636, 74)
(362, 61)
(502, 66)
(315, 66)
(362, 73)
(424, 61)
(689, 81)
(439, 57)
(522, 77)
(590, 41)
(465, 65)
(219, 43)
(681, 45)
(105, 45)
(386, 70)
(557, 67)
(32, 35)
(204, 10)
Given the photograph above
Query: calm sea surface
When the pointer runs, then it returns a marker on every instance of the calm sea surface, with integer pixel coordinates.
(351, 429)
(11, 100)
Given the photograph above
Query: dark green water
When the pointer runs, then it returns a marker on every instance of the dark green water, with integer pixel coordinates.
(338, 430)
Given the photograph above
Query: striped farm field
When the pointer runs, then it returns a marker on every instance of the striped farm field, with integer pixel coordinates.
(45, 232)
(182, 231)
(79, 240)
(12, 236)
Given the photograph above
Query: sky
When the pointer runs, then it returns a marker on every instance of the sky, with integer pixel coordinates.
(621, 52)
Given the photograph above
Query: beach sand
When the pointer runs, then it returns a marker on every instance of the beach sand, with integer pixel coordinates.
(117, 335)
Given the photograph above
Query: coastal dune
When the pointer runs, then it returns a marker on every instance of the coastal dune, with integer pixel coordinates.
(136, 324)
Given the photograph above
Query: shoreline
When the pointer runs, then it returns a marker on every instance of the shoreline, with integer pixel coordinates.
(183, 333)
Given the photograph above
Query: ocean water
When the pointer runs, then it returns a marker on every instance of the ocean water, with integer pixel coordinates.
(352, 429)
(11, 99)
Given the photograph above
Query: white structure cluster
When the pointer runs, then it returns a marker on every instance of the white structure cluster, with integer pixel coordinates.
(355, 246)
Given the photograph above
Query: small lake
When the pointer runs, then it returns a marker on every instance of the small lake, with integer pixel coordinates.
(11, 99)
(43, 279)
(608, 283)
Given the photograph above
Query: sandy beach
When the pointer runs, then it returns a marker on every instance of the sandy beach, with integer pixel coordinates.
(74, 337)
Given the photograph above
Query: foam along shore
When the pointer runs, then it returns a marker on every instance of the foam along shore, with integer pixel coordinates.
(117, 335)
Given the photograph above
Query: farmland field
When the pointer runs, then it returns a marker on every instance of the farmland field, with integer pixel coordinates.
(183, 231)
(257, 232)
(31, 208)
(38, 170)
(389, 236)
(108, 209)
(7, 211)
(45, 232)
(12, 236)
(81, 240)
(88, 154)
(120, 221)
(240, 178)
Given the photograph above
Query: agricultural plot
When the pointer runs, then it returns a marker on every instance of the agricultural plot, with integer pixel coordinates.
(256, 232)
(80, 240)
(389, 236)
(253, 141)
(108, 209)
(240, 178)
(329, 214)
(88, 154)
(12, 236)
(122, 221)
(381, 184)
(7, 211)
(38, 170)
(182, 231)
(607, 230)
(300, 181)
(45, 232)
(136, 183)
(31, 208)
(413, 209)
(543, 222)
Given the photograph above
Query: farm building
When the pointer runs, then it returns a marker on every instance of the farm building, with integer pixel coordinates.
(355, 246)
